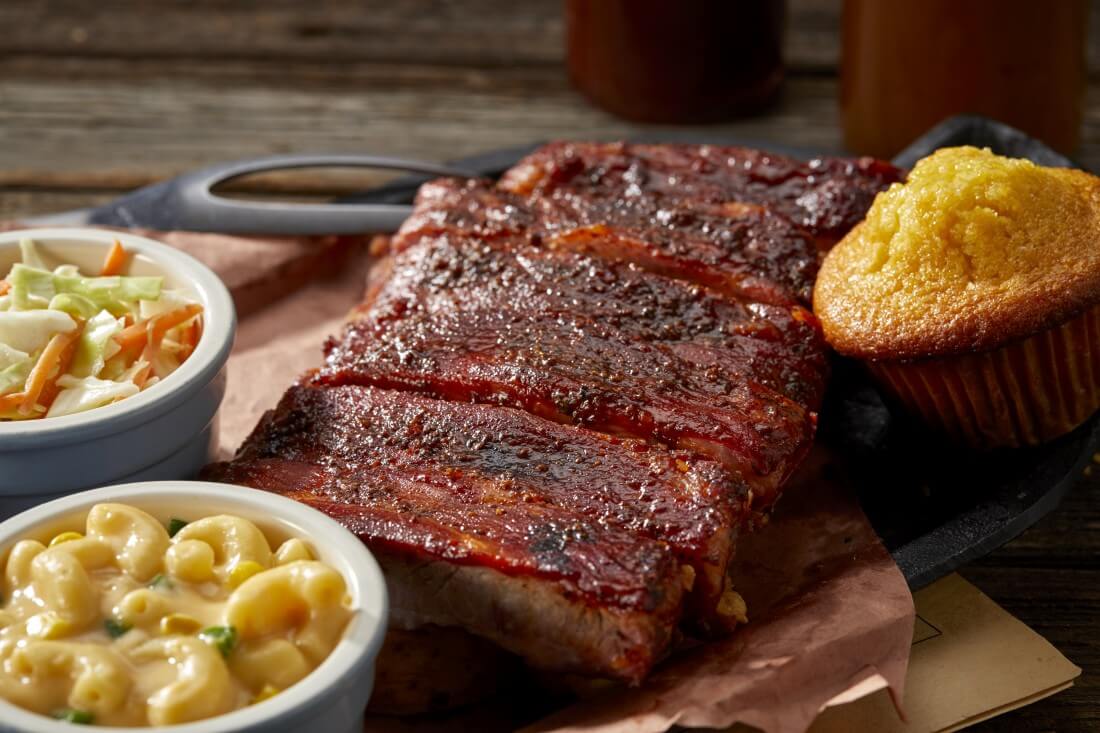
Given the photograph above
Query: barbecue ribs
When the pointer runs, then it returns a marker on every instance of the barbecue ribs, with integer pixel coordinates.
(602, 344)
(538, 515)
(604, 181)
(565, 394)
(738, 248)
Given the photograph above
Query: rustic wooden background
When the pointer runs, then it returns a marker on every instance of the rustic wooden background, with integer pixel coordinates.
(100, 97)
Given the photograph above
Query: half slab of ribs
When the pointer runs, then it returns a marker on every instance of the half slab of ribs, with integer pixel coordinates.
(570, 547)
(565, 394)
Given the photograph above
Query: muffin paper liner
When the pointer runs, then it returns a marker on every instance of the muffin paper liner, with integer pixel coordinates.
(1023, 393)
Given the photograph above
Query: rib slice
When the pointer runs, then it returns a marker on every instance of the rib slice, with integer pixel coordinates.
(825, 196)
(601, 344)
(566, 546)
(735, 248)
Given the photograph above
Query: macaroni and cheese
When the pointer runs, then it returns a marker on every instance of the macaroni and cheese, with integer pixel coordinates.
(136, 623)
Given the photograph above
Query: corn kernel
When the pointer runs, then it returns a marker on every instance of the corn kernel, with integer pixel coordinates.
(267, 693)
(242, 571)
(48, 625)
(179, 623)
(65, 537)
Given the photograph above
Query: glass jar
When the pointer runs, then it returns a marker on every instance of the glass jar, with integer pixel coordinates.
(676, 60)
(908, 64)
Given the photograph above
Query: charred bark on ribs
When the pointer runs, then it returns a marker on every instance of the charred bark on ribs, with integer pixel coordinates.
(565, 394)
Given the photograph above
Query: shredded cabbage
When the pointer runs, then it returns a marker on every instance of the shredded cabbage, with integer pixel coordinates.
(115, 293)
(79, 395)
(31, 288)
(95, 345)
(10, 356)
(169, 300)
(28, 253)
(15, 366)
(13, 378)
(29, 331)
(76, 306)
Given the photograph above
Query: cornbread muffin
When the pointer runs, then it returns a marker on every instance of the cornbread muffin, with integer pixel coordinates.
(971, 291)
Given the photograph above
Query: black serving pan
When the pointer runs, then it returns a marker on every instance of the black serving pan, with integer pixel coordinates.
(935, 506)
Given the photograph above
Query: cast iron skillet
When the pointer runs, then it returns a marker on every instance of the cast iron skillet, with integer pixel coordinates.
(936, 507)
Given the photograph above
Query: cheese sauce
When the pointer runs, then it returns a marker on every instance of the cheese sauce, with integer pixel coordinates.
(125, 625)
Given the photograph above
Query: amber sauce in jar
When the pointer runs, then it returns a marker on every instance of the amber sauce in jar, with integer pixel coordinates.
(908, 64)
(676, 60)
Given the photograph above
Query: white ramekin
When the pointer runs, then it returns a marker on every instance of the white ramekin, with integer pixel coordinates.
(166, 432)
(334, 696)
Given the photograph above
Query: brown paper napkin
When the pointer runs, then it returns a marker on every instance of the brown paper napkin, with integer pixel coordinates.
(971, 660)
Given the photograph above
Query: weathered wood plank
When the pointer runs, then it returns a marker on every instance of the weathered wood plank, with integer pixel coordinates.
(57, 132)
(56, 123)
(18, 203)
(472, 32)
(469, 33)
(449, 32)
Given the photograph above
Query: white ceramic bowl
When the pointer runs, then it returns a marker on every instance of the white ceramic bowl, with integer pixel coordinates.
(166, 432)
(334, 696)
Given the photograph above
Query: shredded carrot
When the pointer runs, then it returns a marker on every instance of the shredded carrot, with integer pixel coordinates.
(5, 286)
(128, 353)
(52, 389)
(54, 361)
(142, 375)
(189, 339)
(134, 338)
(115, 260)
(11, 401)
(197, 325)
(164, 323)
(149, 356)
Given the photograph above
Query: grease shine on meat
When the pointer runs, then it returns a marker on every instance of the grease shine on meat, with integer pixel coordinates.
(565, 394)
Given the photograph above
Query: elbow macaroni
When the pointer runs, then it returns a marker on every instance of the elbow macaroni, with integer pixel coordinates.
(130, 627)
(233, 540)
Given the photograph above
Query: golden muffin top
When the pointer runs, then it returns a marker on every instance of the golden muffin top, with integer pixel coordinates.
(972, 251)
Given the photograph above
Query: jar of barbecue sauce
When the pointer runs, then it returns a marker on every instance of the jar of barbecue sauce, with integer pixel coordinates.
(908, 64)
(676, 60)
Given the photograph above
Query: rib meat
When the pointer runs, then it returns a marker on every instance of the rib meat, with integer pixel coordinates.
(602, 344)
(604, 181)
(584, 537)
(564, 395)
(736, 248)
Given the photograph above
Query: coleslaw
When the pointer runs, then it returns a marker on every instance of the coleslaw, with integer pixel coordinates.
(71, 342)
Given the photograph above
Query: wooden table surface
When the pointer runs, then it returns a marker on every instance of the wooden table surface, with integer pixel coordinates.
(98, 98)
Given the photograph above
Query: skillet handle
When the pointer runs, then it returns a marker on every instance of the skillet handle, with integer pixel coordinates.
(194, 206)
